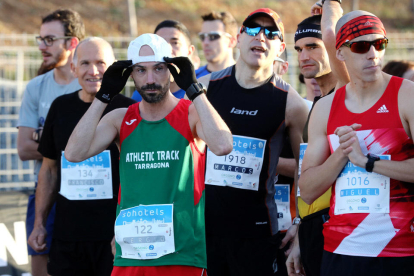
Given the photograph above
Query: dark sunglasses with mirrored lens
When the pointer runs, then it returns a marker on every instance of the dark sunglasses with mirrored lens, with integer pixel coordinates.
(212, 35)
(270, 32)
(362, 47)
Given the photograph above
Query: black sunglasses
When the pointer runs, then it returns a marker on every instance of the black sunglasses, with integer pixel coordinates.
(362, 47)
(213, 35)
(270, 32)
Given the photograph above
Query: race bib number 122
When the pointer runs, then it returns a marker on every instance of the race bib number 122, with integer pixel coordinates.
(145, 231)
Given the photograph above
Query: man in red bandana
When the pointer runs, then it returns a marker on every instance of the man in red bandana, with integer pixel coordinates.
(364, 150)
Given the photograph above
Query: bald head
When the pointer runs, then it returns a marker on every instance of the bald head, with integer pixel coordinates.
(97, 43)
(91, 59)
(349, 16)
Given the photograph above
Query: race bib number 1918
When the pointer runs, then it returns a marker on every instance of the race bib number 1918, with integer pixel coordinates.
(239, 169)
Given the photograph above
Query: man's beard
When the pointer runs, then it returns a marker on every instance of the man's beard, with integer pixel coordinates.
(44, 68)
(153, 98)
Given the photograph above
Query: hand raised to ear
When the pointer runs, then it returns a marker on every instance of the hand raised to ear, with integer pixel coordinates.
(114, 80)
(187, 75)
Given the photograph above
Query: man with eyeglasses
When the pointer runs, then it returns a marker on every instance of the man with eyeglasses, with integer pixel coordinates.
(364, 151)
(60, 33)
(218, 39)
(85, 193)
(260, 109)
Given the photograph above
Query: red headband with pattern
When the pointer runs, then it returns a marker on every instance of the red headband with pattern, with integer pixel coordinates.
(362, 25)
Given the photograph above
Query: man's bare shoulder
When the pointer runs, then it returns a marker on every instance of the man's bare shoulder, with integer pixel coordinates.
(407, 88)
(405, 100)
(325, 102)
(321, 111)
(296, 111)
(115, 117)
(294, 101)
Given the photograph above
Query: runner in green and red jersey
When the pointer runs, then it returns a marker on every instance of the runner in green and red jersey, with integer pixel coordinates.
(159, 229)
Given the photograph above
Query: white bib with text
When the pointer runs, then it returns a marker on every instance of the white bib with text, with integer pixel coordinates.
(282, 199)
(358, 191)
(145, 232)
(239, 169)
(87, 180)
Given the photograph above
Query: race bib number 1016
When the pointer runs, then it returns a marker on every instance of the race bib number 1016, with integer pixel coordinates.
(358, 191)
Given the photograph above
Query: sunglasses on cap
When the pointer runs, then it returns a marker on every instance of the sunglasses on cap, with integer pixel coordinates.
(362, 47)
(270, 32)
(213, 35)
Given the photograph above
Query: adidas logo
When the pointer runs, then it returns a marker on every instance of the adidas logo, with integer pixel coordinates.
(368, 24)
(133, 120)
(382, 109)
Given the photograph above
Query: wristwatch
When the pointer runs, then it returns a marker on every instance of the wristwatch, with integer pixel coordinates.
(339, 1)
(295, 221)
(195, 90)
(369, 166)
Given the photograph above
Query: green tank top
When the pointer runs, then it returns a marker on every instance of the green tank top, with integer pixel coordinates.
(160, 164)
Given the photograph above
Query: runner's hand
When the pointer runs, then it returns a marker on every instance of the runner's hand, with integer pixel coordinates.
(316, 8)
(349, 144)
(37, 239)
(187, 75)
(289, 237)
(293, 262)
(114, 80)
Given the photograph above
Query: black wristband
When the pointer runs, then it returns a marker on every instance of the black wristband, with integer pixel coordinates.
(339, 1)
(369, 166)
(195, 90)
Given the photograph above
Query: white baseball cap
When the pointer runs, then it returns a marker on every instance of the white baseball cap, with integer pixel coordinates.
(158, 44)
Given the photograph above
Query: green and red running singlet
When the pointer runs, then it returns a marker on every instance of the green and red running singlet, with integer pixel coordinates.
(161, 164)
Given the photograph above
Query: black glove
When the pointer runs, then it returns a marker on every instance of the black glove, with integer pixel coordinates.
(187, 75)
(114, 80)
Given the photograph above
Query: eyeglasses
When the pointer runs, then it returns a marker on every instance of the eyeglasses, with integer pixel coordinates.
(270, 32)
(213, 35)
(48, 40)
(362, 47)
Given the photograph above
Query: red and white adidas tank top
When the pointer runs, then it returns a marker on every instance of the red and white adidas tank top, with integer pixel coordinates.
(375, 234)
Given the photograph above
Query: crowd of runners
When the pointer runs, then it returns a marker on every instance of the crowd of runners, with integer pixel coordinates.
(221, 169)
